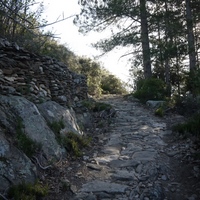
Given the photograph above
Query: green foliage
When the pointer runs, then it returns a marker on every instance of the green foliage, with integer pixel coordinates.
(57, 126)
(93, 73)
(3, 159)
(74, 143)
(110, 84)
(23, 19)
(71, 141)
(192, 126)
(99, 80)
(65, 186)
(99, 106)
(27, 191)
(150, 89)
(26, 144)
(18, 22)
(96, 106)
(193, 82)
(186, 105)
(159, 112)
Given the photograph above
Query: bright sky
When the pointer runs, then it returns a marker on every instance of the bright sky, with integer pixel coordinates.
(78, 43)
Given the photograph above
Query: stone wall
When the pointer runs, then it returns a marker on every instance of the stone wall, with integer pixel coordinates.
(35, 91)
(38, 78)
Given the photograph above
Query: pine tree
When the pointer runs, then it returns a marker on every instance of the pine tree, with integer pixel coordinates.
(128, 21)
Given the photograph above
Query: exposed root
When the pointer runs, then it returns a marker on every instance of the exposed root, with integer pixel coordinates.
(42, 167)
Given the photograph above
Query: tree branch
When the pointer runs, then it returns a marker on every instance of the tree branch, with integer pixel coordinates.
(55, 22)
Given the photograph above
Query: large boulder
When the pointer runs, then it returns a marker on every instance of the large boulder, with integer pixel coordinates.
(35, 126)
(54, 112)
(15, 166)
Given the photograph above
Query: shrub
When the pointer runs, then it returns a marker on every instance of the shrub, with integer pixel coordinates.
(193, 82)
(27, 191)
(159, 112)
(150, 89)
(187, 105)
(96, 106)
(57, 126)
(71, 141)
(192, 126)
(74, 143)
(110, 84)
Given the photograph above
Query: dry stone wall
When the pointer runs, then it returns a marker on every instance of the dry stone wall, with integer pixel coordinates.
(35, 91)
(38, 78)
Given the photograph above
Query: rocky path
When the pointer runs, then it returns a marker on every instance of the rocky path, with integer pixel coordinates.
(136, 160)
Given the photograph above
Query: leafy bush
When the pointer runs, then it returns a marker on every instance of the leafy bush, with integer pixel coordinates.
(110, 84)
(187, 105)
(159, 112)
(193, 82)
(27, 191)
(192, 126)
(150, 89)
(101, 106)
(70, 141)
(74, 143)
(96, 106)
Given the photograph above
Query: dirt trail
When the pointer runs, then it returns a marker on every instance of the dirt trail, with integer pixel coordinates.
(138, 159)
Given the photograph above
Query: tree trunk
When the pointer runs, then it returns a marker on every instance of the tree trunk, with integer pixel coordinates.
(190, 34)
(167, 58)
(145, 40)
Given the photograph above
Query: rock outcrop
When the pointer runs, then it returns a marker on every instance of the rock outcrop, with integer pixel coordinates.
(14, 165)
(35, 91)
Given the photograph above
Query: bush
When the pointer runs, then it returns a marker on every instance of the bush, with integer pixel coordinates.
(193, 82)
(96, 106)
(70, 141)
(192, 126)
(110, 84)
(27, 191)
(150, 89)
(159, 112)
(74, 143)
(187, 105)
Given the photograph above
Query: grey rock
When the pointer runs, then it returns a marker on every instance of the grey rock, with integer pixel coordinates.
(124, 163)
(101, 186)
(106, 159)
(103, 195)
(94, 166)
(153, 173)
(52, 112)
(84, 196)
(156, 193)
(144, 155)
(63, 98)
(123, 175)
(143, 177)
(193, 197)
(154, 103)
(164, 177)
(15, 167)
(172, 153)
(35, 125)
(139, 168)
